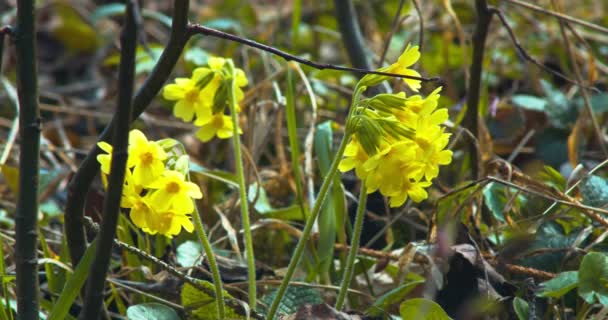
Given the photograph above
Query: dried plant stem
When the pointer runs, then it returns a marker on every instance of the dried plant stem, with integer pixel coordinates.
(354, 244)
(111, 206)
(26, 218)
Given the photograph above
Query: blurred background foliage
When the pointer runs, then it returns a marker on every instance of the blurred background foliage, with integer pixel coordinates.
(533, 123)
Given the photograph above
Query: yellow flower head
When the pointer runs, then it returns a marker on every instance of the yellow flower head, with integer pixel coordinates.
(407, 59)
(105, 159)
(219, 125)
(173, 193)
(188, 97)
(354, 158)
(146, 158)
(169, 223)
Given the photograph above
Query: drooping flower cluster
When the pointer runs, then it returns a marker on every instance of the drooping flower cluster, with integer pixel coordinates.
(398, 142)
(156, 190)
(203, 98)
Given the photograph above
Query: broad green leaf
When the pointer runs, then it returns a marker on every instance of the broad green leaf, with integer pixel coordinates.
(422, 309)
(263, 206)
(196, 56)
(294, 298)
(593, 278)
(594, 190)
(71, 290)
(494, 197)
(116, 9)
(199, 305)
(332, 216)
(560, 285)
(189, 253)
(392, 297)
(529, 102)
(522, 309)
(218, 175)
(151, 311)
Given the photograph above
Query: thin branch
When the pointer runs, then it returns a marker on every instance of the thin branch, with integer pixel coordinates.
(420, 25)
(26, 218)
(579, 80)
(80, 183)
(199, 29)
(484, 17)
(560, 16)
(111, 207)
(526, 55)
(394, 26)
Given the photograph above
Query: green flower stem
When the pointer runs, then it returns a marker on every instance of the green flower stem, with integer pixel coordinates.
(354, 247)
(215, 271)
(297, 254)
(240, 172)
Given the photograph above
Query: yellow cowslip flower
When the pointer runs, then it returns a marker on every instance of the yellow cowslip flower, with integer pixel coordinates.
(173, 193)
(430, 153)
(416, 107)
(188, 96)
(354, 158)
(219, 125)
(145, 217)
(105, 159)
(146, 158)
(406, 59)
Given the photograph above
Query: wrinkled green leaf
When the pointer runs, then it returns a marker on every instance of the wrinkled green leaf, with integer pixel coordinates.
(294, 298)
(392, 297)
(593, 278)
(560, 285)
(199, 305)
(151, 311)
(422, 309)
(594, 190)
(522, 309)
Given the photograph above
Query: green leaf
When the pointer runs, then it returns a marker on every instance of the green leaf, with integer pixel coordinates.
(189, 253)
(218, 175)
(151, 311)
(593, 278)
(263, 206)
(422, 309)
(529, 102)
(522, 309)
(199, 305)
(392, 297)
(332, 216)
(594, 190)
(293, 298)
(197, 56)
(560, 285)
(71, 290)
(494, 197)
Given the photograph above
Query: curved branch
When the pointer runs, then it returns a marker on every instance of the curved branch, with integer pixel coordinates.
(80, 183)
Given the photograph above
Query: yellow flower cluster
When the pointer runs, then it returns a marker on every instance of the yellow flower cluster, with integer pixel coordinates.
(398, 142)
(156, 191)
(205, 95)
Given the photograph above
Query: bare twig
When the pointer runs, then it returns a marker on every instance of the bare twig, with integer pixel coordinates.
(558, 15)
(484, 17)
(579, 80)
(520, 49)
(26, 218)
(111, 206)
(199, 29)
(420, 25)
(394, 27)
